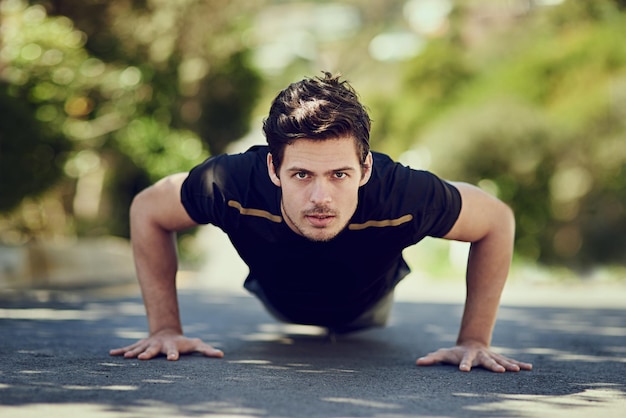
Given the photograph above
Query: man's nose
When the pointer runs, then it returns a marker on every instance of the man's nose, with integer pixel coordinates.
(321, 191)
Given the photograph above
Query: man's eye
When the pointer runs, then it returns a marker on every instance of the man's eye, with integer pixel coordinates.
(340, 174)
(301, 175)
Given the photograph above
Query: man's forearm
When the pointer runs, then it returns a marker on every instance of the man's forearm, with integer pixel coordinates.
(156, 264)
(487, 270)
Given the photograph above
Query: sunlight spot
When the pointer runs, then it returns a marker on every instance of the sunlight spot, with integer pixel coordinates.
(363, 402)
(570, 183)
(442, 333)
(396, 46)
(428, 16)
(4, 386)
(48, 314)
(31, 52)
(566, 325)
(418, 157)
(279, 338)
(292, 329)
(77, 387)
(130, 77)
(272, 367)
(112, 387)
(560, 355)
(605, 402)
(250, 362)
(157, 381)
(133, 335)
(598, 384)
(56, 410)
(118, 387)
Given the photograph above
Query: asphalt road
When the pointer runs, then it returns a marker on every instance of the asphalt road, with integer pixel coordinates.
(54, 362)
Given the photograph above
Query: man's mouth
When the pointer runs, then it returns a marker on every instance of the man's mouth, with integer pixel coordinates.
(320, 220)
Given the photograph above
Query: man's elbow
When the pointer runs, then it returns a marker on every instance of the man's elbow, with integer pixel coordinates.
(140, 206)
(148, 214)
(506, 219)
(159, 206)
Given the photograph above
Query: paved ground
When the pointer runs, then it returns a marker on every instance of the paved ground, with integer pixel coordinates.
(54, 361)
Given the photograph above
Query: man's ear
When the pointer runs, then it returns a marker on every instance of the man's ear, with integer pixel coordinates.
(367, 169)
(271, 170)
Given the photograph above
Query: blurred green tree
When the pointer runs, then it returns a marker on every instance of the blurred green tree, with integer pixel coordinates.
(31, 157)
(117, 102)
(536, 115)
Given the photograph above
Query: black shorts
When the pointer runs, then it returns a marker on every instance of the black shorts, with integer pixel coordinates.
(375, 316)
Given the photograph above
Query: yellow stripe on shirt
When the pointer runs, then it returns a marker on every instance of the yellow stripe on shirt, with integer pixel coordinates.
(254, 212)
(381, 224)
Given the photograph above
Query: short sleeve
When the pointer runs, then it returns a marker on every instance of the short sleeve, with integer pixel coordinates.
(212, 187)
(202, 192)
(396, 192)
(443, 209)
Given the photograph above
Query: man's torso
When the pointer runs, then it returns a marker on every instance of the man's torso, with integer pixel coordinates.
(322, 283)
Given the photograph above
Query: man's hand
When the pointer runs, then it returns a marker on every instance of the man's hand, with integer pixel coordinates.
(468, 355)
(167, 342)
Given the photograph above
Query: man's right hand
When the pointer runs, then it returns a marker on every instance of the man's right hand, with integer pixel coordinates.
(168, 342)
(156, 214)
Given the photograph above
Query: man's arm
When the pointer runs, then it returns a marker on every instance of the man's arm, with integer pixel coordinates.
(489, 225)
(155, 215)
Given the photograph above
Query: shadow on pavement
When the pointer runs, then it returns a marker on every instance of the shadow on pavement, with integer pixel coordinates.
(54, 361)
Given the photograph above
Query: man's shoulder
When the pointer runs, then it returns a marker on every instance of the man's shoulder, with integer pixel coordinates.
(387, 169)
(392, 181)
(256, 153)
(228, 180)
(234, 164)
(380, 157)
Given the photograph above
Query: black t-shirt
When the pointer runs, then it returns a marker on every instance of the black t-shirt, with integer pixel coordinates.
(323, 283)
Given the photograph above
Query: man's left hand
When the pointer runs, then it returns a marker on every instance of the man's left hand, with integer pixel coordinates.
(467, 356)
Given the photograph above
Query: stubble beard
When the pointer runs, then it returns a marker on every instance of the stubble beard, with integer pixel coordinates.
(318, 210)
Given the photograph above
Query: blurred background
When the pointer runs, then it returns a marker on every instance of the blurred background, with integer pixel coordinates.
(98, 99)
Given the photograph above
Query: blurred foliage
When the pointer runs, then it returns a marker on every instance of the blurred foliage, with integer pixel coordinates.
(31, 158)
(100, 98)
(100, 108)
(537, 116)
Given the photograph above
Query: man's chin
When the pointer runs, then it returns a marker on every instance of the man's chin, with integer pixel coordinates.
(321, 235)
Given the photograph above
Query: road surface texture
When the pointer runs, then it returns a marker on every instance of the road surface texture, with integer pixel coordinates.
(54, 359)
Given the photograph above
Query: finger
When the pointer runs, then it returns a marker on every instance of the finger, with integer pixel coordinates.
(171, 351)
(494, 362)
(197, 345)
(512, 365)
(494, 366)
(465, 365)
(151, 351)
(516, 366)
(431, 358)
(520, 364)
(135, 351)
(209, 351)
(427, 360)
(117, 351)
(122, 350)
(525, 366)
(509, 364)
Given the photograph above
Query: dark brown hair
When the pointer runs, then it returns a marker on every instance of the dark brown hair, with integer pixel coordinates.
(318, 108)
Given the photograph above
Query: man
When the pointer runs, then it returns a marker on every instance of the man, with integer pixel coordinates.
(321, 222)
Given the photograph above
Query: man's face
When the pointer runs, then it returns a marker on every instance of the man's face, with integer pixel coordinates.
(320, 182)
